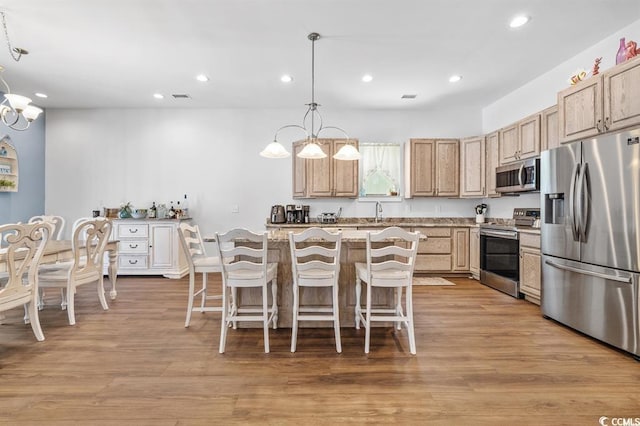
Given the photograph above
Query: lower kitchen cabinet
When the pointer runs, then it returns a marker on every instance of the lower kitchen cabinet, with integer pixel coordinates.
(149, 247)
(446, 250)
(530, 267)
(474, 253)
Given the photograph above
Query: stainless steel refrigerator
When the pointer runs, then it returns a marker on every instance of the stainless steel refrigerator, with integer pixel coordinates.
(590, 229)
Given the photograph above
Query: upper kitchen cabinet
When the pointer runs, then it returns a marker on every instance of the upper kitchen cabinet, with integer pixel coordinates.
(549, 131)
(520, 140)
(492, 146)
(324, 177)
(606, 102)
(432, 168)
(472, 167)
(8, 166)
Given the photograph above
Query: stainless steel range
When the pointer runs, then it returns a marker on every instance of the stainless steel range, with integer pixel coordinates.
(500, 251)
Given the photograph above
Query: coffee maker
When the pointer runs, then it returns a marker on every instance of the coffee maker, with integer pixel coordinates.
(299, 214)
(277, 214)
(291, 213)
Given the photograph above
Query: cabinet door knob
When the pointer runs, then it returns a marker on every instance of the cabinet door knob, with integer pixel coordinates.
(598, 125)
(607, 123)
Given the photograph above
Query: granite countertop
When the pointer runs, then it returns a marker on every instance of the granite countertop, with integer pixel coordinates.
(369, 222)
(348, 235)
(527, 230)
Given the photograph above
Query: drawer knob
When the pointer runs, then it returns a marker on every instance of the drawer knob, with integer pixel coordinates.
(133, 262)
(133, 246)
(133, 231)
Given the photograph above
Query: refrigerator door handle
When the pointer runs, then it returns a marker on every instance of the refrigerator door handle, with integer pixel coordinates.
(572, 202)
(586, 272)
(583, 198)
(521, 180)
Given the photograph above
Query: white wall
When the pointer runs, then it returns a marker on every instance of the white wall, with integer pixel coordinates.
(105, 157)
(542, 92)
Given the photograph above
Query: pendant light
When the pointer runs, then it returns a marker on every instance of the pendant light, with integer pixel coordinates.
(311, 149)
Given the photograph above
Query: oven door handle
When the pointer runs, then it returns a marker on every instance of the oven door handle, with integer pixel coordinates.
(500, 234)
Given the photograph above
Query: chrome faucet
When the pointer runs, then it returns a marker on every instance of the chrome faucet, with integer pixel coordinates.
(378, 211)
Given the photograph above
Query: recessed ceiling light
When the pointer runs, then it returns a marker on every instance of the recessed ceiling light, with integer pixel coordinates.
(202, 77)
(286, 78)
(158, 95)
(519, 21)
(455, 78)
(367, 78)
(41, 95)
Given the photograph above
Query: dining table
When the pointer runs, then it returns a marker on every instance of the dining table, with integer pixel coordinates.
(61, 250)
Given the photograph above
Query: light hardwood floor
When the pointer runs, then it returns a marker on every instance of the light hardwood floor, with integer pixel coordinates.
(483, 358)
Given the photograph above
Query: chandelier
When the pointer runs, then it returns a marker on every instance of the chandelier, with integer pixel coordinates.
(311, 148)
(15, 110)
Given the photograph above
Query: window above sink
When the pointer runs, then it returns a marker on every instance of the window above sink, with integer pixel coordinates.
(380, 171)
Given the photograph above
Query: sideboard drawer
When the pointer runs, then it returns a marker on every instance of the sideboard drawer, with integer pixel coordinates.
(133, 246)
(130, 230)
(131, 262)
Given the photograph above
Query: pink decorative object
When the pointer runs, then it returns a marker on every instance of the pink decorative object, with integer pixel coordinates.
(596, 66)
(621, 56)
(632, 49)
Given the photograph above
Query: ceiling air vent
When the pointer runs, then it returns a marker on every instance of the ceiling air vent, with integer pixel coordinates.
(408, 96)
(181, 96)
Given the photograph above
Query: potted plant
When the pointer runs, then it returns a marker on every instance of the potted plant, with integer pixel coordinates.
(125, 211)
(5, 183)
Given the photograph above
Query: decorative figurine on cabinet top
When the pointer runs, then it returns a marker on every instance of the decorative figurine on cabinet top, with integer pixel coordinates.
(596, 66)
(579, 75)
(632, 49)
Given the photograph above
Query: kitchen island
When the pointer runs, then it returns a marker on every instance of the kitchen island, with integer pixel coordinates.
(439, 244)
(352, 251)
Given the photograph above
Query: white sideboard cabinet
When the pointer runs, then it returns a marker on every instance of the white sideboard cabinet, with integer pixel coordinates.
(149, 247)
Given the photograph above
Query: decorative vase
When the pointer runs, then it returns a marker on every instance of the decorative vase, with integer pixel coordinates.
(622, 52)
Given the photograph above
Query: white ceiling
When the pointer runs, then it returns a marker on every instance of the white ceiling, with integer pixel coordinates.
(117, 53)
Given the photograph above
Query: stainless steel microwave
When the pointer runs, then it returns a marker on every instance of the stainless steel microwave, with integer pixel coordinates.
(522, 176)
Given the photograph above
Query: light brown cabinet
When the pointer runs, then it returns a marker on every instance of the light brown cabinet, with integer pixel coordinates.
(474, 253)
(520, 140)
(606, 102)
(530, 267)
(492, 146)
(324, 177)
(445, 250)
(472, 167)
(549, 131)
(433, 168)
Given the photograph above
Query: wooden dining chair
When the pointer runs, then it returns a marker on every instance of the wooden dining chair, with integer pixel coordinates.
(315, 264)
(199, 263)
(88, 243)
(244, 267)
(22, 254)
(389, 266)
(57, 222)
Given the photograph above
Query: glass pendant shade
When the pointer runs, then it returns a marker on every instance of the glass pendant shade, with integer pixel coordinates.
(31, 113)
(348, 153)
(275, 150)
(18, 102)
(312, 150)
